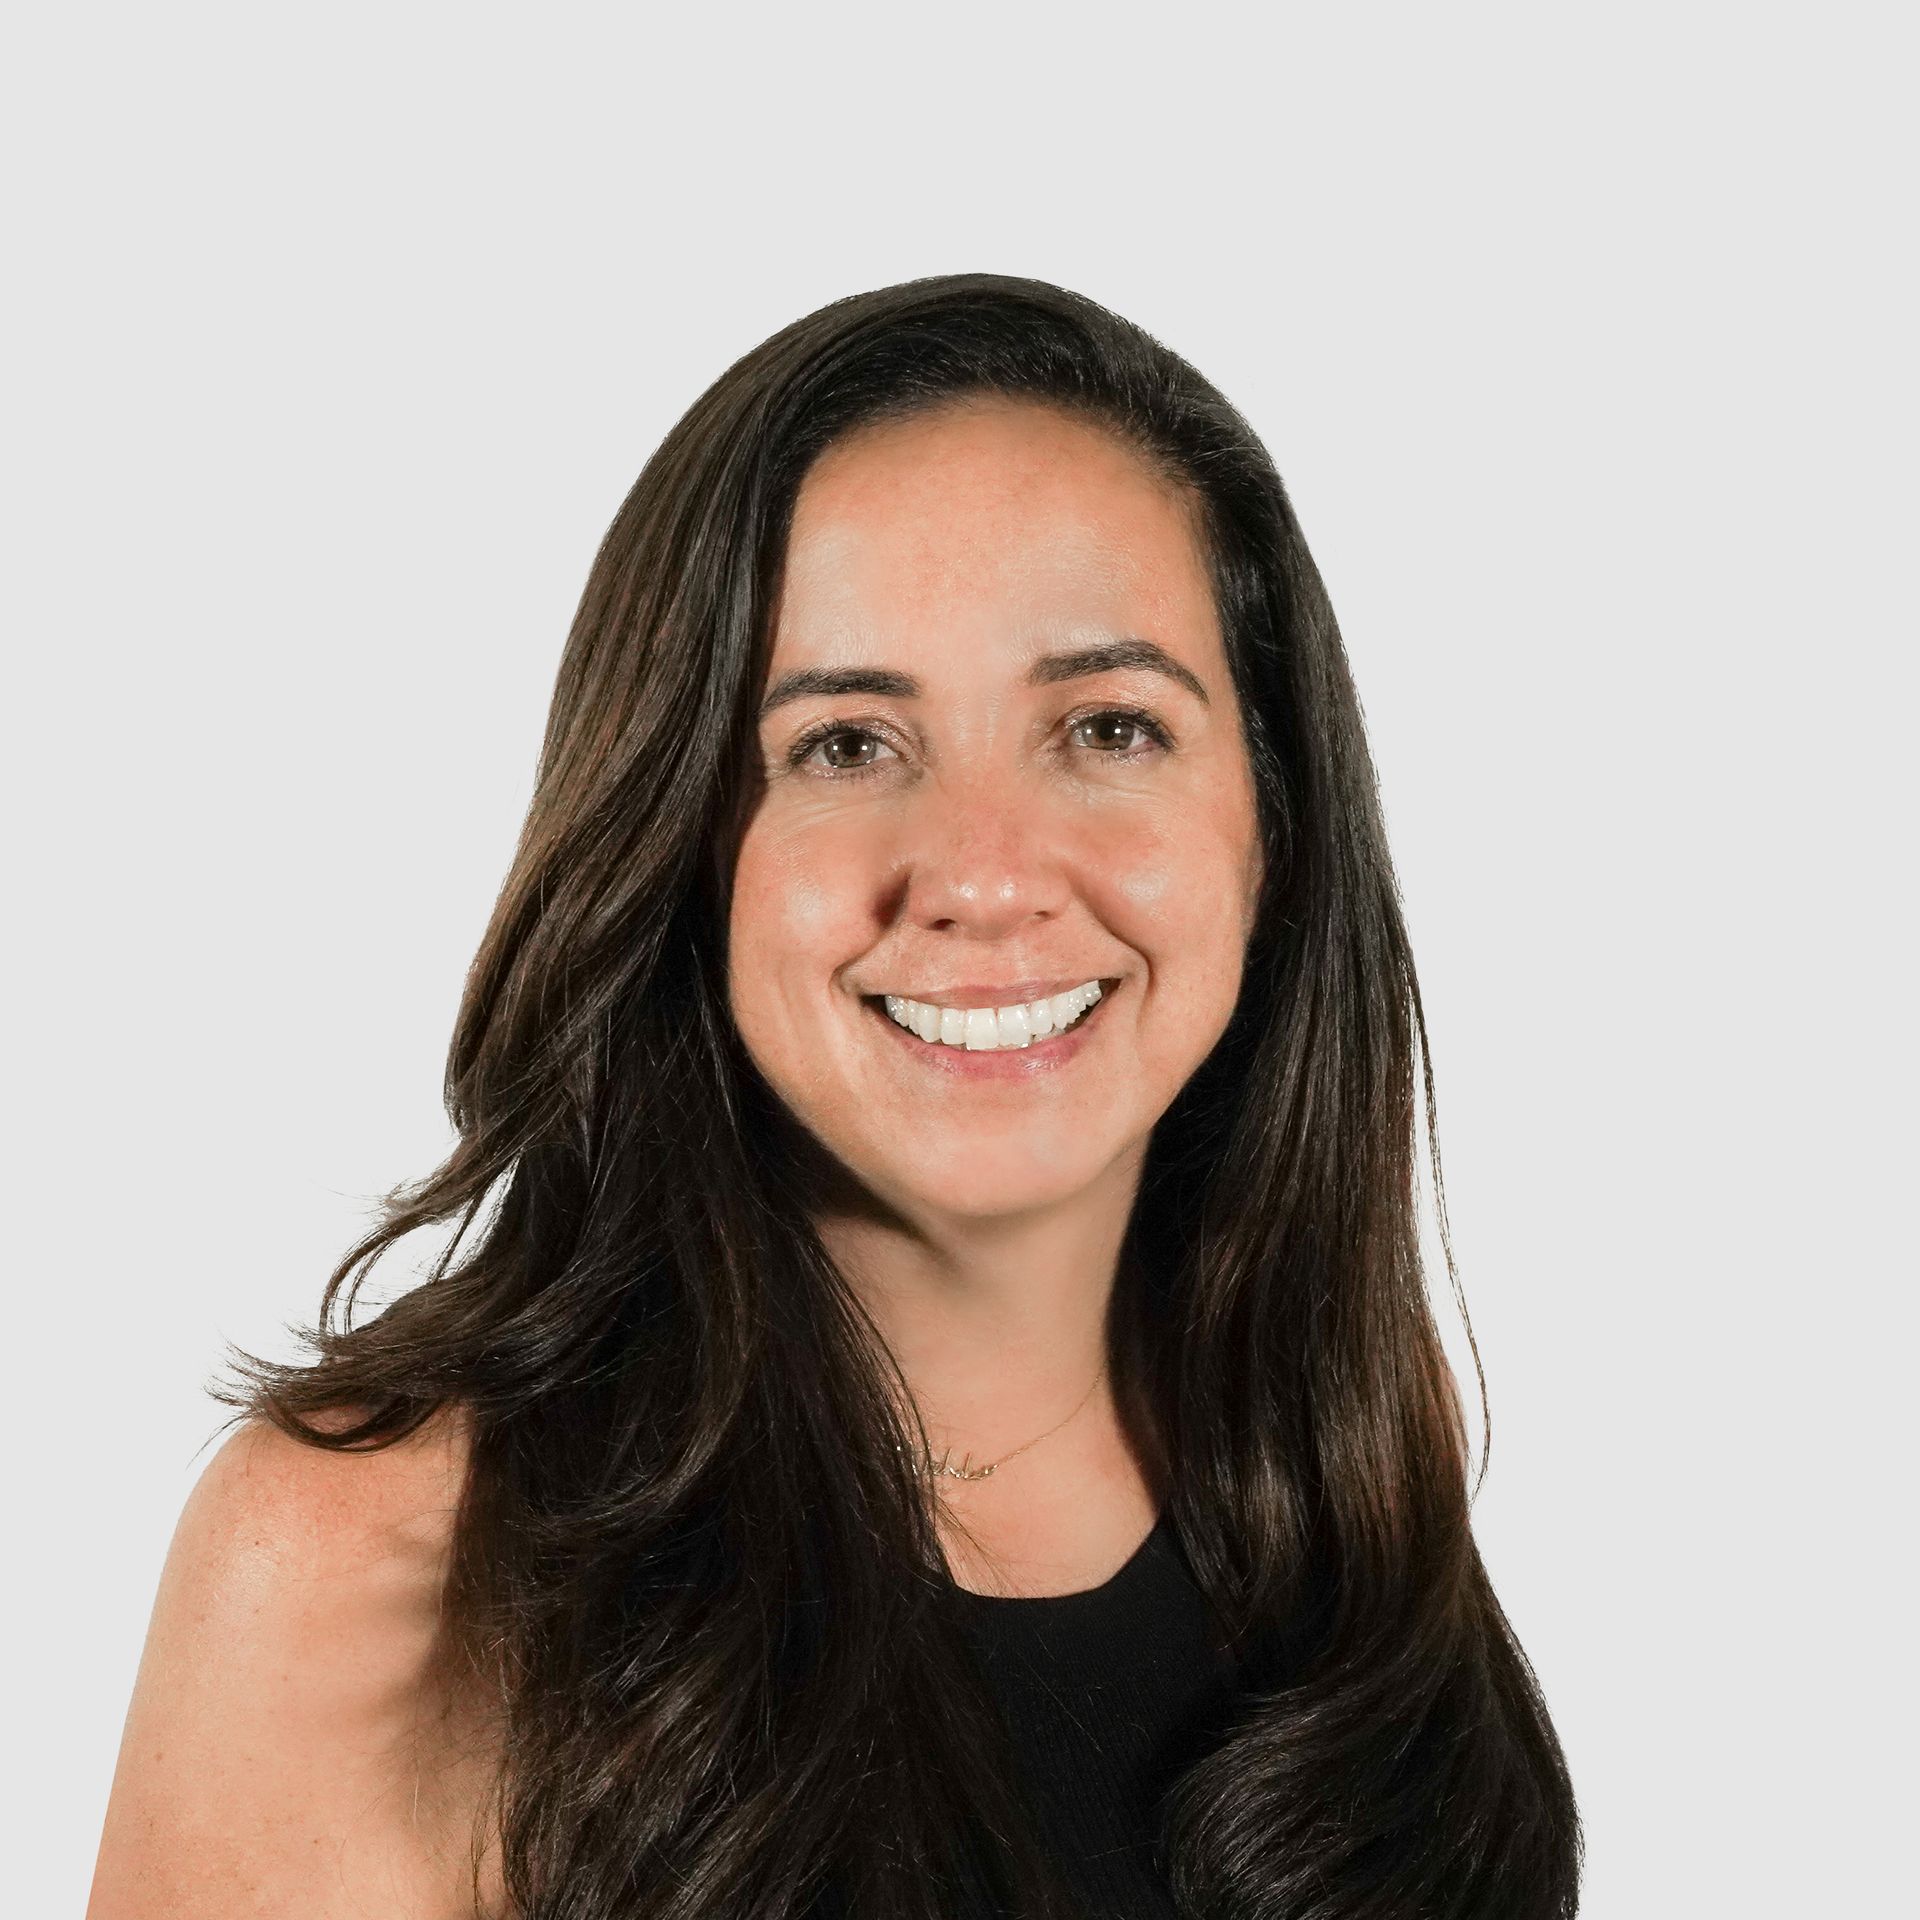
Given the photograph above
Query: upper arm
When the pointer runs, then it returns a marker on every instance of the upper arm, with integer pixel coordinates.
(271, 1758)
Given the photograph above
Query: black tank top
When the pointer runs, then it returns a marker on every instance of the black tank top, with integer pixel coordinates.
(1108, 1695)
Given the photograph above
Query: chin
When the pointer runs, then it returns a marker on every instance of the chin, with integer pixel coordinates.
(1010, 1176)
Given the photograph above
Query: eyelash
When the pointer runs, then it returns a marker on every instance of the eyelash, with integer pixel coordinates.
(803, 747)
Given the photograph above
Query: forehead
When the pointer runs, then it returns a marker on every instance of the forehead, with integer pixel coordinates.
(984, 511)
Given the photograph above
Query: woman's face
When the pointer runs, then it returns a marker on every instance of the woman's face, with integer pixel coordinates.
(1003, 758)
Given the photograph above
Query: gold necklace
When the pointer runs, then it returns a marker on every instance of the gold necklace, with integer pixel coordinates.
(967, 1471)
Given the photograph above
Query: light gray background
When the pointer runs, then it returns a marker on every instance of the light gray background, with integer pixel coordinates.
(1579, 336)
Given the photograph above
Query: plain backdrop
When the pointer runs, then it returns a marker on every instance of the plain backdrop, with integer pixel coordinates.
(1582, 340)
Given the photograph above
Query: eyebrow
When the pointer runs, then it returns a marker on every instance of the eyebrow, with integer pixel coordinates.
(1109, 656)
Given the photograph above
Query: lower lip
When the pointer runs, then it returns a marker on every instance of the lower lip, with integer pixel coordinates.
(996, 1063)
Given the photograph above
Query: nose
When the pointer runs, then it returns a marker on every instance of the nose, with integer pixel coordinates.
(979, 861)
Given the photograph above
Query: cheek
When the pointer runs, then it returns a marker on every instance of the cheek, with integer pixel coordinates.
(785, 899)
(1173, 886)
(1180, 899)
(802, 909)
(1146, 885)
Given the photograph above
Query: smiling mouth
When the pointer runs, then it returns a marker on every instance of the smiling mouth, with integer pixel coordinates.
(1018, 1028)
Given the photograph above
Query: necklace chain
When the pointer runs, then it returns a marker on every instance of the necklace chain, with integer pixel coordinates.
(966, 1470)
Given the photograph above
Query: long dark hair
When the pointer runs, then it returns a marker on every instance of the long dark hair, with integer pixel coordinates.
(705, 1589)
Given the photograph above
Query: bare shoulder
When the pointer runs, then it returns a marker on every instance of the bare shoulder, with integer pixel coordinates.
(289, 1748)
(266, 1502)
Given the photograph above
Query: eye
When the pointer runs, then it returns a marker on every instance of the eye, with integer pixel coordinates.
(826, 750)
(830, 738)
(1133, 720)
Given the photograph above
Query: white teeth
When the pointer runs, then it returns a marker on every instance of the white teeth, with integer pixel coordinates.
(991, 1029)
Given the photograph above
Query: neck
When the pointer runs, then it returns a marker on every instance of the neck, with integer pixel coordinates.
(1000, 1326)
(999, 1335)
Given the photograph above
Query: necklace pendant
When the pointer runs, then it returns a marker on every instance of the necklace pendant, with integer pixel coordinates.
(966, 1470)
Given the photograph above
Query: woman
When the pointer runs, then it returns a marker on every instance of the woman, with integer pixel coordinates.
(931, 1407)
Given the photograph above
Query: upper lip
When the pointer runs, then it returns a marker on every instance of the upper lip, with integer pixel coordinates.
(986, 993)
